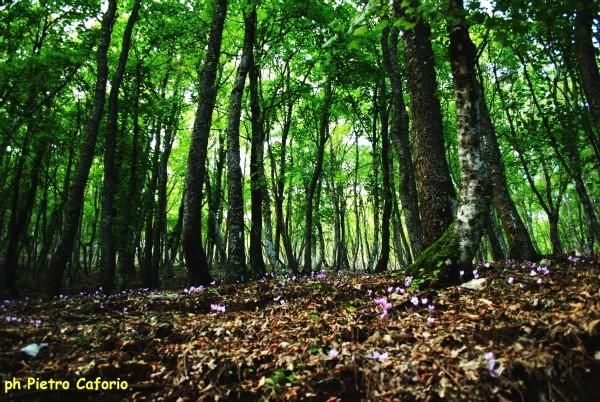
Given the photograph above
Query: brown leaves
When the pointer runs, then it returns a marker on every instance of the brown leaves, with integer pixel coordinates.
(274, 340)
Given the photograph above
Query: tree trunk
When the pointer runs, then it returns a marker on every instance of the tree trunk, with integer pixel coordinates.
(586, 56)
(64, 250)
(257, 180)
(195, 257)
(399, 136)
(108, 264)
(520, 246)
(160, 222)
(437, 198)
(384, 256)
(312, 186)
(236, 253)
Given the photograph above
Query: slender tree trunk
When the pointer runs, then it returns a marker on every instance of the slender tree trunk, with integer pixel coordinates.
(520, 246)
(160, 225)
(64, 250)
(399, 136)
(108, 264)
(312, 186)
(384, 256)
(437, 198)
(195, 257)
(236, 253)
(257, 179)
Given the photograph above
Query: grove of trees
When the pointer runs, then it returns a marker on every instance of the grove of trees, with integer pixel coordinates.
(239, 138)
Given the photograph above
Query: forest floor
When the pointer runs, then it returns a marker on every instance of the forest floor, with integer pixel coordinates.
(528, 333)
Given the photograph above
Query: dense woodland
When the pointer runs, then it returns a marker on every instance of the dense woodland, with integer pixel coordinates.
(250, 137)
(300, 200)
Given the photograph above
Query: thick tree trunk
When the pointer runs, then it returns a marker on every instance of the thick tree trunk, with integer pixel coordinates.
(586, 56)
(470, 218)
(64, 250)
(399, 136)
(455, 250)
(315, 179)
(195, 257)
(236, 254)
(108, 264)
(437, 198)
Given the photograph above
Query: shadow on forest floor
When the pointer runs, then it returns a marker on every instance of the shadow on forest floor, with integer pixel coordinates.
(530, 333)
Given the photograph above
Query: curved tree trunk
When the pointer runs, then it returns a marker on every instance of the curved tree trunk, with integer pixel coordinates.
(520, 246)
(195, 257)
(64, 250)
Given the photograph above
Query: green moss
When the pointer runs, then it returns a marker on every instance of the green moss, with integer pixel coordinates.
(431, 267)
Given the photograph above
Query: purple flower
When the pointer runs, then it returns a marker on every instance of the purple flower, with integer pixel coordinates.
(414, 300)
(424, 301)
(539, 281)
(510, 280)
(431, 308)
(333, 354)
(217, 308)
(408, 281)
(475, 274)
(430, 320)
(461, 273)
(491, 362)
(390, 289)
(379, 356)
(532, 272)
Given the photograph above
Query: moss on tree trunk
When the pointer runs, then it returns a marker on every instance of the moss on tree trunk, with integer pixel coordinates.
(438, 264)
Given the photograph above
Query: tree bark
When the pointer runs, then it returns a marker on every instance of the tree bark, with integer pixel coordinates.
(236, 253)
(437, 198)
(384, 256)
(257, 180)
(399, 136)
(108, 256)
(520, 246)
(312, 186)
(586, 56)
(59, 260)
(195, 257)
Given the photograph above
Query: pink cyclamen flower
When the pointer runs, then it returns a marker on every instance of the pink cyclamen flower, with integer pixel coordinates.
(414, 300)
(424, 301)
(217, 308)
(431, 308)
(333, 354)
(430, 320)
(510, 280)
(379, 356)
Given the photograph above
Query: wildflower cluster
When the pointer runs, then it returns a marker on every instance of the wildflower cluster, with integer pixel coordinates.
(384, 305)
